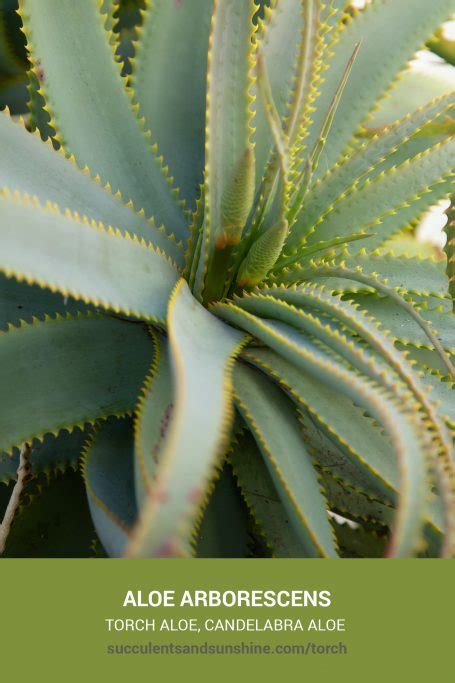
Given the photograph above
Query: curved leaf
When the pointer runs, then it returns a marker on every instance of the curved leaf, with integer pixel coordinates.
(202, 351)
(108, 469)
(279, 37)
(368, 458)
(422, 81)
(403, 328)
(406, 274)
(351, 445)
(262, 499)
(152, 418)
(402, 424)
(271, 417)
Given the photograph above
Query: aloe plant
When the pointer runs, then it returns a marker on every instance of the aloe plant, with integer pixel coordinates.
(203, 317)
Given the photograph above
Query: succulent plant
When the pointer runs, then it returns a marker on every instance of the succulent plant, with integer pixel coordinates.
(205, 325)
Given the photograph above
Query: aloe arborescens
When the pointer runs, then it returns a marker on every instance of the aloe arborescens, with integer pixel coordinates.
(200, 277)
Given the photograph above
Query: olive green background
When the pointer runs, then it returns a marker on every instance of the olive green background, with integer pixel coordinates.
(399, 619)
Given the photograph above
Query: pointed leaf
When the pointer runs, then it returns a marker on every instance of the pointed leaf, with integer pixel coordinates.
(406, 274)
(403, 328)
(169, 83)
(423, 80)
(279, 37)
(351, 445)
(113, 144)
(21, 301)
(403, 28)
(391, 194)
(367, 161)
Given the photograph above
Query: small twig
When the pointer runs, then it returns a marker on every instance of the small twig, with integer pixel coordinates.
(23, 472)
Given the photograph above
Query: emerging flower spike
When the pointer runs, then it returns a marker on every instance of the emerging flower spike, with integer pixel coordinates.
(263, 255)
(237, 201)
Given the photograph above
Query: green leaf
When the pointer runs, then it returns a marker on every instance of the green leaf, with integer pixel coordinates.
(352, 320)
(390, 194)
(412, 275)
(169, 83)
(403, 27)
(90, 107)
(368, 458)
(20, 301)
(202, 351)
(368, 160)
(308, 66)
(431, 370)
(32, 167)
(84, 260)
(108, 469)
(54, 522)
(152, 418)
(375, 516)
(282, 305)
(348, 442)
(421, 82)
(442, 394)
(427, 358)
(261, 496)
(54, 453)
(62, 373)
(403, 328)
(271, 417)
(224, 530)
(400, 422)
(228, 123)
